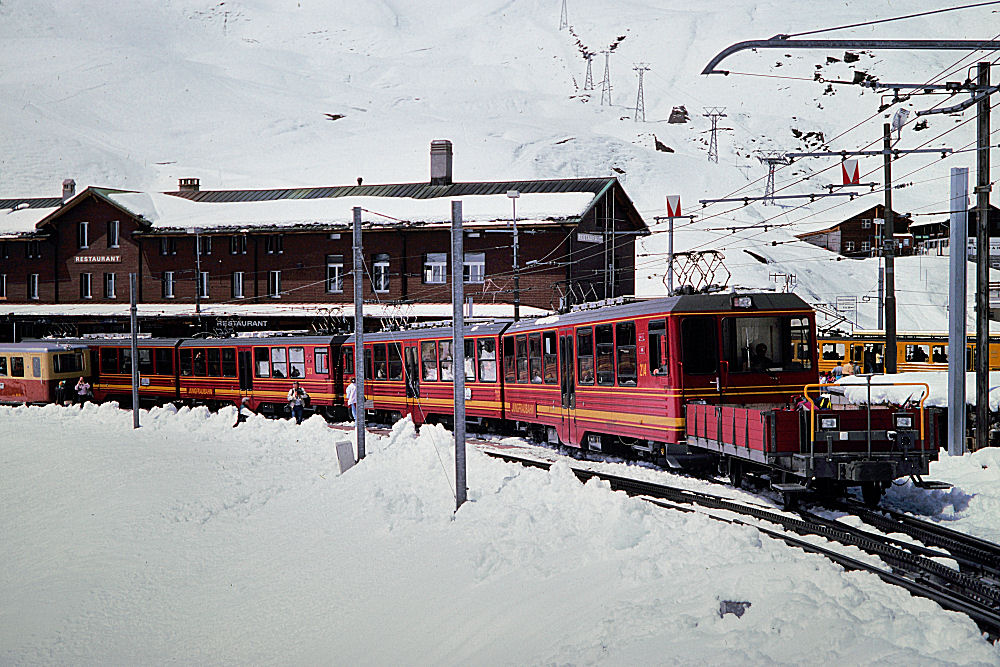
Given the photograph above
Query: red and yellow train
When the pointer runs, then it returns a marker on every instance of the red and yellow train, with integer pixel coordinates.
(684, 378)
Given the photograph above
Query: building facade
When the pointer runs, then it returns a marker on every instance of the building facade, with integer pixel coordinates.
(861, 235)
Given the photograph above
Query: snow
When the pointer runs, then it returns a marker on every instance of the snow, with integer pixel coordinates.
(190, 541)
(170, 212)
(16, 221)
(901, 387)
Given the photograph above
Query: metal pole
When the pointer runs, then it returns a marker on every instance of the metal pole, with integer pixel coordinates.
(982, 259)
(133, 319)
(458, 351)
(514, 194)
(956, 311)
(888, 244)
(197, 273)
(670, 256)
(359, 329)
(881, 293)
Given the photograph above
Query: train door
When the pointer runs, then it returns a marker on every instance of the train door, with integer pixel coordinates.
(703, 376)
(245, 359)
(411, 371)
(567, 386)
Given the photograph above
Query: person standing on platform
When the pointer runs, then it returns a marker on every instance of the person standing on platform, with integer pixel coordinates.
(297, 400)
(352, 399)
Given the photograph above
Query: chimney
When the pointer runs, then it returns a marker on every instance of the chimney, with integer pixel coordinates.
(69, 189)
(188, 184)
(440, 162)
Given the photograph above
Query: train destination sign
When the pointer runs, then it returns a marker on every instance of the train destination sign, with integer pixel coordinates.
(97, 259)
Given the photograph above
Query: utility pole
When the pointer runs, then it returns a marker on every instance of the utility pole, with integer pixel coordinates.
(640, 102)
(982, 257)
(514, 194)
(458, 351)
(588, 82)
(606, 84)
(957, 294)
(715, 113)
(197, 271)
(359, 330)
(889, 251)
(133, 321)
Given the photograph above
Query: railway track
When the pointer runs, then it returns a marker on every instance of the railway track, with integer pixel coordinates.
(972, 589)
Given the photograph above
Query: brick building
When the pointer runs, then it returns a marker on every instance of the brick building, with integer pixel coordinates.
(861, 235)
(275, 259)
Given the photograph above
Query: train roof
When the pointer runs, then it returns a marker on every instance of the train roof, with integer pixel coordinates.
(250, 341)
(492, 328)
(41, 346)
(672, 305)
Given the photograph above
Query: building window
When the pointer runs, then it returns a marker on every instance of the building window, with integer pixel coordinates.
(3, 285)
(4, 253)
(273, 244)
(204, 245)
(238, 244)
(866, 246)
(168, 284)
(86, 287)
(168, 246)
(203, 285)
(274, 284)
(112, 233)
(83, 235)
(334, 273)
(33, 286)
(848, 246)
(237, 284)
(33, 250)
(109, 286)
(474, 267)
(866, 223)
(435, 267)
(380, 273)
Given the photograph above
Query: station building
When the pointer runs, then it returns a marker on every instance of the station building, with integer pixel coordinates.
(218, 261)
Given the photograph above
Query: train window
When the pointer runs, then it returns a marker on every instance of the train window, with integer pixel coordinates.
(70, 362)
(834, 351)
(164, 360)
(36, 366)
(297, 362)
(550, 357)
(198, 366)
(699, 345)
(17, 367)
(320, 361)
(871, 358)
(279, 362)
(261, 363)
(585, 355)
(381, 363)
(229, 362)
(509, 369)
(109, 360)
(626, 356)
(970, 357)
(368, 364)
(917, 353)
(428, 361)
(145, 360)
(767, 344)
(535, 358)
(605, 354)
(522, 358)
(447, 361)
(486, 348)
(348, 359)
(126, 358)
(395, 362)
(185, 356)
(657, 347)
(213, 362)
(939, 354)
(470, 360)
(3, 366)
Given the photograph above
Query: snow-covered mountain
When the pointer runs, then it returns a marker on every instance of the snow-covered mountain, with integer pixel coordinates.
(262, 93)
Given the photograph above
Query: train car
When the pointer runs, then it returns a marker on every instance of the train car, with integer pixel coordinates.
(157, 369)
(915, 351)
(30, 371)
(220, 371)
(412, 373)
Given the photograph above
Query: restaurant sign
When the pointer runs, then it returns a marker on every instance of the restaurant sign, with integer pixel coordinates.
(97, 259)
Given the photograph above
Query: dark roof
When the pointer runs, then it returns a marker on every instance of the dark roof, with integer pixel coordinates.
(32, 202)
(414, 190)
(473, 329)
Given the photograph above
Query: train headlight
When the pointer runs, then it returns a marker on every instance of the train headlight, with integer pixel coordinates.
(742, 302)
(902, 421)
(829, 423)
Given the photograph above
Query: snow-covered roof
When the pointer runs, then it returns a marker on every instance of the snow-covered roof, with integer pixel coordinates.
(22, 220)
(170, 212)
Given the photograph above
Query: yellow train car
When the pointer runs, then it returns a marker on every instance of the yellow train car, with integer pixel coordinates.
(29, 372)
(915, 351)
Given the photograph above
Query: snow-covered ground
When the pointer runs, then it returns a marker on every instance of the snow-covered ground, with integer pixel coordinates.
(191, 542)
